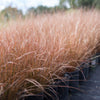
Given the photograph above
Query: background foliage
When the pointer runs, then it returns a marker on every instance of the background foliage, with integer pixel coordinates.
(12, 13)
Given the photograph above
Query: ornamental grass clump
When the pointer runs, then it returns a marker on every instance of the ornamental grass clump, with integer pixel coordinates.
(38, 50)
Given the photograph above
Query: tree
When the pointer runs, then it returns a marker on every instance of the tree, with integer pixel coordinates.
(81, 3)
(61, 3)
(96, 4)
(42, 9)
(85, 3)
(73, 3)
(10, 12)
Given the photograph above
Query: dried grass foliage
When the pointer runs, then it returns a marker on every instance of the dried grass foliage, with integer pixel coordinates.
(37, 50)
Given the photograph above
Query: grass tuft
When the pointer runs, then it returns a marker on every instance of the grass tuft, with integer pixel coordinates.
(38, 50)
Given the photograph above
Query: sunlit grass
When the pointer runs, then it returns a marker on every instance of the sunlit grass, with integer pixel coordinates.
(37, 50)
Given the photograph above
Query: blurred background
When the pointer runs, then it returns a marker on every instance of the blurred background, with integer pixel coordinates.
(12, 9)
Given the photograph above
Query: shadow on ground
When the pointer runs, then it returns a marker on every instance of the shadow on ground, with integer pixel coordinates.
(91, 87)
